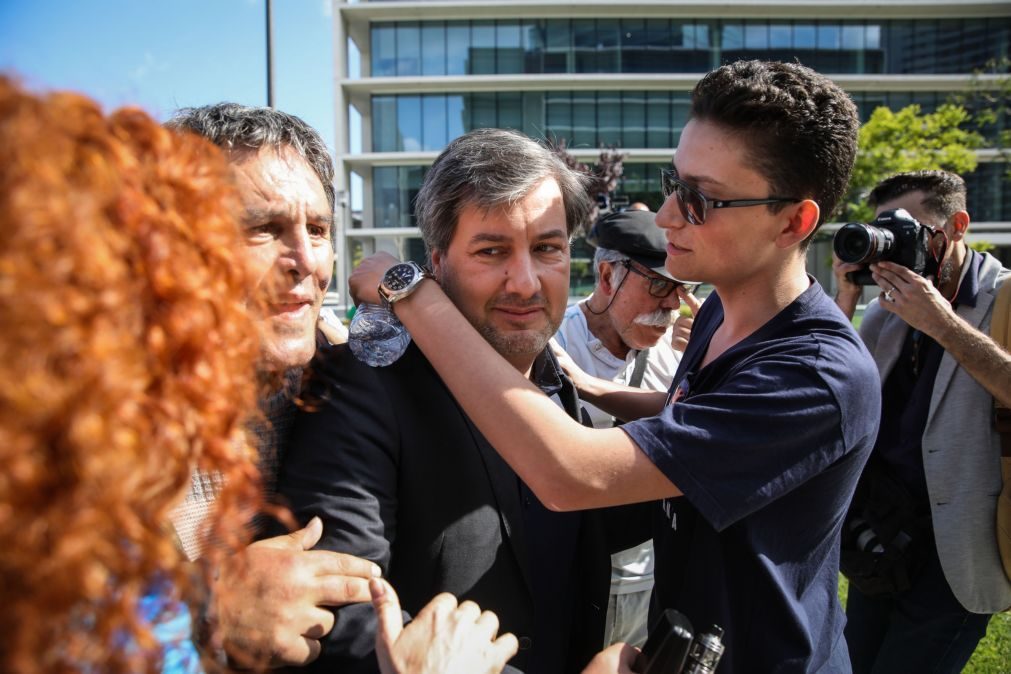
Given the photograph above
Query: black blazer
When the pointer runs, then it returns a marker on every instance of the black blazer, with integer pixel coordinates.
(400, 476)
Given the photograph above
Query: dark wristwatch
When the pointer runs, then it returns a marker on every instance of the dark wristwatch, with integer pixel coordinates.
(400, 280)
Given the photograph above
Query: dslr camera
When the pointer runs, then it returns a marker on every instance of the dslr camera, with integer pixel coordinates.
(894, 236)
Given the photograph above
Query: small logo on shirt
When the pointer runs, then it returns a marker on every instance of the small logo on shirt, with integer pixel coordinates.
(674, 396)
(679, 392)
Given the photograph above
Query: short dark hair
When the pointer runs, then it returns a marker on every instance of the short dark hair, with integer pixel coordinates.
(945, 192)
(242, 127)
(488, 168)
(799, 127)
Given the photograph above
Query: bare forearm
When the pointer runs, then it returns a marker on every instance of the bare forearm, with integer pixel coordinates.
(847, 301)
(566, 464)
(622, 402)
(977, 354)
(847, 294)
(917, 302)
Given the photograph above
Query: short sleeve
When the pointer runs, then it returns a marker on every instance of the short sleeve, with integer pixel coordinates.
(769, 426)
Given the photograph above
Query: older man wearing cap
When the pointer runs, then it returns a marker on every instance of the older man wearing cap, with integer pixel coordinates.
(623, 332)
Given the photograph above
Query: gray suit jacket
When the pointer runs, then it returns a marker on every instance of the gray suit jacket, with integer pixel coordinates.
(961, 454)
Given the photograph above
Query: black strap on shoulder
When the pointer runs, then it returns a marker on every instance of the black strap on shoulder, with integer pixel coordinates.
(635, 381)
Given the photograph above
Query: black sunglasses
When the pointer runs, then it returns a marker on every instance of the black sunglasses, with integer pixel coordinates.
(693, 203)
(660, 287)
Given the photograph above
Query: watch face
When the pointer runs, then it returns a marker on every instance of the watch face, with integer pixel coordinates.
(399, 277)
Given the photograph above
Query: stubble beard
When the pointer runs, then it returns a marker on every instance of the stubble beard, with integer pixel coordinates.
(509, 344)
(946, 272)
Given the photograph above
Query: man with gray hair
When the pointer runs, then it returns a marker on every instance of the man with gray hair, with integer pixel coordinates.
(396, 470)
(623, 333)
(265, 605)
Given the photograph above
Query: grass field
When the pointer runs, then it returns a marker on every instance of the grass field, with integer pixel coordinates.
(992, 656)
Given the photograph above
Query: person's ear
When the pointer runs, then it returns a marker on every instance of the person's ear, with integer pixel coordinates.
(958, 225)
(437, 261)
(606, 273)
(802, 219)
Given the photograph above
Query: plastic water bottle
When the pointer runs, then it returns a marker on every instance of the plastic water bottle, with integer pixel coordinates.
(376, 336)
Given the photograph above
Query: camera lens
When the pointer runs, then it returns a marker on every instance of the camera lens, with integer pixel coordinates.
(862, 244)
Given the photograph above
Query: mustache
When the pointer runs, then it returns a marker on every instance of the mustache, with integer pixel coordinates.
(654, 319)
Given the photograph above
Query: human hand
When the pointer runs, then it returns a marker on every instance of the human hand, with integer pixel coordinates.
(847, 293)
(575, 373)
(442, 639)
(364, 280)
(682, 328)
(267, 600)
(615, 659)
(332, 333)
(914, 299)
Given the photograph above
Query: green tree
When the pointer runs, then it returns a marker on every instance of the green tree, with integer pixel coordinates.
(895, 142)
(603, 176)
(982, 246)
(988, 100)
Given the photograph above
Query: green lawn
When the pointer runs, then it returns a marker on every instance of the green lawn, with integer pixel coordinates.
(992, 656)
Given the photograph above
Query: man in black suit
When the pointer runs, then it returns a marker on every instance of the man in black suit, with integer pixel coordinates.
(396, 470)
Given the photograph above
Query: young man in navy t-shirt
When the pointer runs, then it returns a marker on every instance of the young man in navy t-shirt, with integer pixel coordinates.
(754, 454)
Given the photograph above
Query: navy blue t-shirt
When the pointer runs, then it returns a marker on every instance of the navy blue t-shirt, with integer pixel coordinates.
(767, 443)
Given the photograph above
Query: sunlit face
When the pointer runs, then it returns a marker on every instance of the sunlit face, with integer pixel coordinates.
(507, 271)
(287, 222)
(734, 243)
(640, 319)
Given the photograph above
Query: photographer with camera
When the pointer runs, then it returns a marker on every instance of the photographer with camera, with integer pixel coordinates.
(919, 544)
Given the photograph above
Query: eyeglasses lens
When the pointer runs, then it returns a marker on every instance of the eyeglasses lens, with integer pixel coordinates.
(691, 202)
(659, 287)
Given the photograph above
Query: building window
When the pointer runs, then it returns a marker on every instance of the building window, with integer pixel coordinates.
(482, 48)
(434, 121)
(434, 45)
(457, 48)
(394, 189)
(408, 49)
(585, 119)
(508, 46)
(988, 189)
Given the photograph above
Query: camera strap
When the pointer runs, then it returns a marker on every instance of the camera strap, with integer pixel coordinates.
(934, 233)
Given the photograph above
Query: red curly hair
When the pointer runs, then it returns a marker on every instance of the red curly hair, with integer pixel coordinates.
(127, 356)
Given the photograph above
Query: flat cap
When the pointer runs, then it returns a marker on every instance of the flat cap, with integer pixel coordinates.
(635, 234)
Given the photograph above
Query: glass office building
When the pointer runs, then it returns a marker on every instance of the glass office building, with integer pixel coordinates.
(414, 75)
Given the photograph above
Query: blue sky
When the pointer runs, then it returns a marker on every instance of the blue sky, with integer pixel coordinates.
(166, 54)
